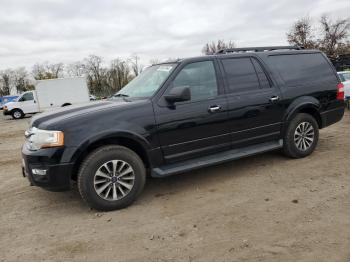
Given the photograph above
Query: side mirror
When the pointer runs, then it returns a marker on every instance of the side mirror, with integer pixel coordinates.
(178, 94)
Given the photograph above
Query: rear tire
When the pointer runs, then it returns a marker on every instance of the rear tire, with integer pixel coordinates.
(17, 114)
(301, 136)
(111, 177)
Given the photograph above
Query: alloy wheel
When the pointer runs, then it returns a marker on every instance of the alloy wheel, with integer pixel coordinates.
(17, 114)
(114, 180)
(304, 136)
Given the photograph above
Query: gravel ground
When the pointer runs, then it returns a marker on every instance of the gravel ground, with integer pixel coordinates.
(262, 208)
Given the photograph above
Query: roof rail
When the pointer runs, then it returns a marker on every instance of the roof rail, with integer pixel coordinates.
(258, 49)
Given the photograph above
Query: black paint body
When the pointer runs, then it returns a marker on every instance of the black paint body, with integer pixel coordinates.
(164, 134)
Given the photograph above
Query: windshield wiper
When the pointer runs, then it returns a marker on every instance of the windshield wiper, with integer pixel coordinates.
(121, 95)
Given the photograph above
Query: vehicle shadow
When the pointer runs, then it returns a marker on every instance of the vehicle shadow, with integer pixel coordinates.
(213, 177)
(208, 175)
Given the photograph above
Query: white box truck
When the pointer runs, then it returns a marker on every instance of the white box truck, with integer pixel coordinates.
(49, 94)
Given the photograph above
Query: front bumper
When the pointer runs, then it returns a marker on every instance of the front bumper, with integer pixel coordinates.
(6, 112)
(57, 176)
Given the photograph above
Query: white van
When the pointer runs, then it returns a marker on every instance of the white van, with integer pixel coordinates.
(49, 94)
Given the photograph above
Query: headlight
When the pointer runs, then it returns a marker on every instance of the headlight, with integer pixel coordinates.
(38, 138)
(5, 108)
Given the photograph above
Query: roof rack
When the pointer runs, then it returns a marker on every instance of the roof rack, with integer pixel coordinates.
(258, 49)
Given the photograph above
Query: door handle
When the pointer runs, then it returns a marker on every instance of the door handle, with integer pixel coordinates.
(274, 99)
(213, 109)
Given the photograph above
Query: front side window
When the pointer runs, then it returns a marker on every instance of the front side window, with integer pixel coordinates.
(240, 75)
(200, 78)
(147, 83)
(27, 97)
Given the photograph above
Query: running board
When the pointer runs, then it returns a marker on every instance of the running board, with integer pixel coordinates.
(218, 158)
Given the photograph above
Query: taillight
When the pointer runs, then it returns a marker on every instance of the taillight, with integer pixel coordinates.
(340, 91)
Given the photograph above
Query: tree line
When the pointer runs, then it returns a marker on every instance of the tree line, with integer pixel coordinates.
(330, 36)
(102, 80)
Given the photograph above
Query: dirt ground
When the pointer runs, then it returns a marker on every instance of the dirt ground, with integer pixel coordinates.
(262, 208)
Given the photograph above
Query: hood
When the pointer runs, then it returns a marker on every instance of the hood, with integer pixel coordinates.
(69, 113)
(10, 104)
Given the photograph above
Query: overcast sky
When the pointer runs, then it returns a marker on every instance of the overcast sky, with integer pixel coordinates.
(69, 30)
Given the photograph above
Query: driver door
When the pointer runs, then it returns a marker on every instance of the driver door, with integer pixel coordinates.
(28, 103)
(196, 127)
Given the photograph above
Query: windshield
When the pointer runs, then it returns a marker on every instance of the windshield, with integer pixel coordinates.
(147, 83)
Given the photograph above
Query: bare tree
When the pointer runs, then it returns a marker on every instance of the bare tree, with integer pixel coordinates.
(154, 61)
(38, 71)
(96, 74)
(76, 69)
(55, 70)
(47, 71)
(301, 34)
(334, 36)
(119, 75)
(214, 47)
(136, 67)
(6, 82)
(20, 79)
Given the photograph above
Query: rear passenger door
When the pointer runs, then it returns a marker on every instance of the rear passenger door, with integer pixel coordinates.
(255, 110)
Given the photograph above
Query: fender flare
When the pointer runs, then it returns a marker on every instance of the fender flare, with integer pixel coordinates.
(301, 103)
(80, 150)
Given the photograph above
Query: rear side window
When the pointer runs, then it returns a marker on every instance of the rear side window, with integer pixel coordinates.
(240, 75)
(298, 69)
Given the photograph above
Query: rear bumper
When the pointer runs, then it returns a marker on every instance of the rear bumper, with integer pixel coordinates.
(332, 116)
(54, 177)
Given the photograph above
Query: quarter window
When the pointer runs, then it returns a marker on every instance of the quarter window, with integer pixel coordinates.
(300, 69)
(200, 77)
(240, 75)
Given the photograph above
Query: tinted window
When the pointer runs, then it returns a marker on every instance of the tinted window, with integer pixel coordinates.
(299, 69)
(240, 75)
(200, 78)
(27, 97)
(263, 80)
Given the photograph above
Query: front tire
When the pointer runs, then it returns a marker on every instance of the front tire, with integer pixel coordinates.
(111, 178)
(301, 136)
(17, 114)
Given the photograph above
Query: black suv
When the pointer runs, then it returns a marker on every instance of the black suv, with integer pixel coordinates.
(184, 115)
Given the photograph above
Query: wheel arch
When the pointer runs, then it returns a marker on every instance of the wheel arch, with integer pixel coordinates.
(129, 140)
(308, 105)
(16, 108)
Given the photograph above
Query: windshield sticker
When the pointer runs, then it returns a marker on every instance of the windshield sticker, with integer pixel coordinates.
(164, 68)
